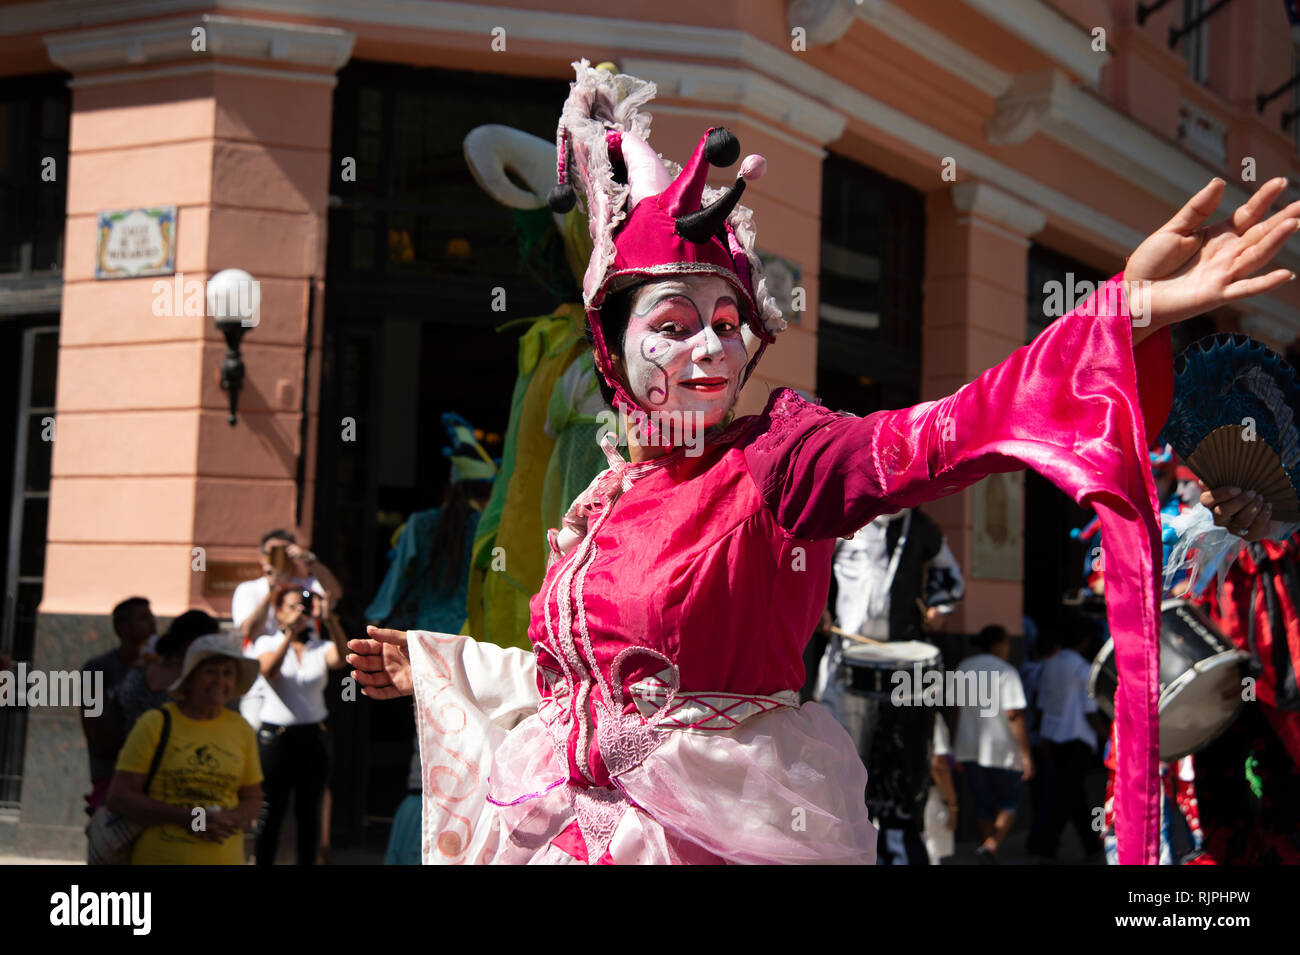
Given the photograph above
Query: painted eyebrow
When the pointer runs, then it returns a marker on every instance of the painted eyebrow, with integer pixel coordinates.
(654, 303)
(649, 307)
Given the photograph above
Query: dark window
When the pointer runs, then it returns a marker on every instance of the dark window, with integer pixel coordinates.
(33, 172)
(1057, 284)
(872, 264)
(1195, 45)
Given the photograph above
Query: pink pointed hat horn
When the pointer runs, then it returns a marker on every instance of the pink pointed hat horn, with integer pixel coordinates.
(717, 147)
(646, 175)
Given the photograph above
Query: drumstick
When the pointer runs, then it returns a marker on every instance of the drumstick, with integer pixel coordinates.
(857, 637)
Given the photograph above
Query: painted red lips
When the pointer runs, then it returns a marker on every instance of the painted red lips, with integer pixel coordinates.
(707, 385)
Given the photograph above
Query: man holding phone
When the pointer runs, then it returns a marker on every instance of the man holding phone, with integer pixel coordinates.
(284, 563)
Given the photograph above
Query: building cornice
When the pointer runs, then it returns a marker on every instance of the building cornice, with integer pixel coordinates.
(979, 199)
(1072, 117)
(1048, 31)
(140, 44)
(1034, 22)
(743, 88)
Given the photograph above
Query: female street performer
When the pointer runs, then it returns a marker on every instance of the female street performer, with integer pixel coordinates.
(656, 719)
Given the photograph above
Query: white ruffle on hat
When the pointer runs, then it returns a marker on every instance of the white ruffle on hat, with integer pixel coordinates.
(216, 645)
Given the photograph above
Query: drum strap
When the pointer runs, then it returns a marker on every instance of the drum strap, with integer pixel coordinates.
(897, 555)
(1255, 666)
(1288, 695)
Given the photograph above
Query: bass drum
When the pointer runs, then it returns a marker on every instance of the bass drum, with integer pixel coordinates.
(1200, 680)
(883, 710)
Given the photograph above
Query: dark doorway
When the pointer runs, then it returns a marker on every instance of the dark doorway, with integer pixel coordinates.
(29, 350)
(1054, 562)
(423, 269)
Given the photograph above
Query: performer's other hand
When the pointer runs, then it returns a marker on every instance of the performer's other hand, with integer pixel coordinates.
(1243, 513)
(381, 664)
(1193, 268)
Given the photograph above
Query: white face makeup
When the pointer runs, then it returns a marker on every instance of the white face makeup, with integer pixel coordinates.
(684, 350)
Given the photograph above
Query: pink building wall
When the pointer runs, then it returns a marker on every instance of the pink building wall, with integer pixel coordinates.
(145, 466)
(246, 159)
(1053, 143)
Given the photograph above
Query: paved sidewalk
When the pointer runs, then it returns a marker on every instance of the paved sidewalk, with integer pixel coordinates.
(31, 860)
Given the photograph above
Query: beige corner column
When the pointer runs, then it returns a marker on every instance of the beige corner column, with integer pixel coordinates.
(974, 316)
(228, 120)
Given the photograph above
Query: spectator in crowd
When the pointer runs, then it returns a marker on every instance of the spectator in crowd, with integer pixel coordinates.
(1039, 650)
(145, 687)
(293, 738)
(992, 743)
(252, 606)
(941, 805)
(134, 624)
(209, 763)
(284, 564)
(1069, 741)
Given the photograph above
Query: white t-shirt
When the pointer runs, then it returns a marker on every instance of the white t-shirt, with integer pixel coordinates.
(983, 733)
(252, 592)
(941, 743)
(1063, 698)
(297, 694)
(242, 604)
(861, 567)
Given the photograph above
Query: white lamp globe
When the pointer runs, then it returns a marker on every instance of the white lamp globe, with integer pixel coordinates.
(235, 296)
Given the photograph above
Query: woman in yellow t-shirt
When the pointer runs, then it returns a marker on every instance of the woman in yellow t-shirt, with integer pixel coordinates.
(208, 786)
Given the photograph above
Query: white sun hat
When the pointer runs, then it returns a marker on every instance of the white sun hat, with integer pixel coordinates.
(216, 645)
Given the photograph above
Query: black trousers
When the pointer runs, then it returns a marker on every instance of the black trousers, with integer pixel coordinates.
(295, 759)
(1068, 800)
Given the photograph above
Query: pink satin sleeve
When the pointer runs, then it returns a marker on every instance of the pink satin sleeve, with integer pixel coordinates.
(1067, 405)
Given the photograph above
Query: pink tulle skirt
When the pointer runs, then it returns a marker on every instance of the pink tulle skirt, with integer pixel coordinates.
(785, 786)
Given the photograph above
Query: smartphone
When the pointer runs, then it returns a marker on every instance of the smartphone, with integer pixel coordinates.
(280, 561)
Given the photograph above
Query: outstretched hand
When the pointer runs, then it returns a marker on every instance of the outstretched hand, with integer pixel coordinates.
(1186, 268)
(381, 665)
(1243, 513)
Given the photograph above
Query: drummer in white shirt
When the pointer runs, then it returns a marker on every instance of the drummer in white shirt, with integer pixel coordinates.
(894, 579)
(293, 740)
(1069, 741)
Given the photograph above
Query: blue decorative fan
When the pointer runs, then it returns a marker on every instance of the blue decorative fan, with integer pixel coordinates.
(1233, 419)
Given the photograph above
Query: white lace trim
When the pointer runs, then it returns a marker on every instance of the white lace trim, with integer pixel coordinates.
(704, 711)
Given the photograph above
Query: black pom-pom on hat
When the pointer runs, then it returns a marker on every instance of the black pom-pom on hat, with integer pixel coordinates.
(561, 198)
(722, 148)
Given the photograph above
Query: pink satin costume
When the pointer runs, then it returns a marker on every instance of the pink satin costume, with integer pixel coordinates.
(658, 721)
